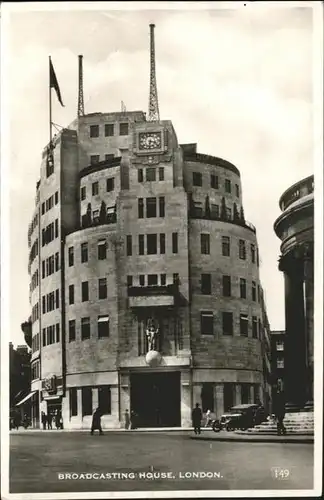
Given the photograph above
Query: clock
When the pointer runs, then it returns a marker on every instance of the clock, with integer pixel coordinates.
(150, 140)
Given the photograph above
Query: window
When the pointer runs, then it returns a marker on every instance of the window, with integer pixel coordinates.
(196, 178)
(150, 174)
(109, 157)
(129, 249)
(86, 398)
(102, 249)
(162, 243)
(259, 293)
(83, 193)
(71, 256)
(207, 396)
(254, 291)
(129, 280)
(176, 278)
(94, 159)
(226, 286)
(205, 244)
(228, 213)
(161, 173)
(56, 197)
(151, 243)
(227, 323)
(279, 345)
(123, 129)
(56, 228)
(71, 330)
(84, 252)
(95, 188)
(102, 288)
(142, 280)
(141, 244)
(150, 207)
(73, 402)
(243, 288)
(57, 261)
(104, 399)
(140, 208)
(214, 210)
(84, 291)
(213, 181)
(226, 250)
(109, 129)
(43, 208)
(174, 242)
(85, 328)
(57, 298)
(242, 250)
(244, 325)
(207, 323)
(57, 332)
(254, 327)
(94, 130)
(237, 190)
(252, 253)
(103, 326)
(140, 177)
(280, 363)
(228, 187)
(71, 294)
(110, 185)
(161, 206)
(163, 279)
(206, 284)
(152, 280)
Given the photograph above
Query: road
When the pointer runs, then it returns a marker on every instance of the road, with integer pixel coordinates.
(40, 462)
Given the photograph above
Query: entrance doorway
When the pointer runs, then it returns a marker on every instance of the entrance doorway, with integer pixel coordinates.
(155, 398)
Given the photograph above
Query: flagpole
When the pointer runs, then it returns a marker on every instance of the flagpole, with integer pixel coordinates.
(50, 101)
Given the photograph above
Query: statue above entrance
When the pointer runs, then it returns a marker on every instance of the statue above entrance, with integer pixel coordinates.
(151, 334)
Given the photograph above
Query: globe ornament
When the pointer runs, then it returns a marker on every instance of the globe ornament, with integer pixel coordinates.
(153, 358)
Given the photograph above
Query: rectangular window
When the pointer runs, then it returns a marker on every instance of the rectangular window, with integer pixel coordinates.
(109, 157)
(56, 229)
(95, 188)
(84, 291)
(254, 291)
(214, 210)
(94, 130)
(163, 279)
(102, 249)
(123, 129)
(227, 286)
(228, 213)
(94, 159)
(228, 187)
(196, 178)
(56, 197)
(71, 294)
(227, 323)
(103, 326)
(207, 323)
(161, 173)
(84, 252)
(243, 288)
(259, 294)
(85, 328)
(205, 244)
(141, 244)
(109, 129)
(129, 245)
(244, 325)
(57, 332)
(161, 206)
(174, 242)
(252, 253)
(237, 190)
(86, 399)
(57, 298)
(150, 207)
(110, 185)
(73, 401)
(280, 363)
(83, 193)
(150, 174)
(279, 344)
(129, 281)
(151, 244)
(254, 327)
(43, 208)
(162, 243)
(152, 280)
(44, 304)
(71, 330)
(43, 269)
(102, 288)
(242, 250)
(213, 181)
(104, 399)
(57, 261)
(140, 208)
(140, 177)
(206, 284)
(142, 280)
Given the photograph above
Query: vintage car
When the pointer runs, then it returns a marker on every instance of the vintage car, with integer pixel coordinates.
(241, 416)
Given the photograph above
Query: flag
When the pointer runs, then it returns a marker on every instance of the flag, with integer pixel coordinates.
(54, 83)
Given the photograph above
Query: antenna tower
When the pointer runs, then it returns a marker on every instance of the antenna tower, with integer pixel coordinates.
(80, 96)
(154, 114)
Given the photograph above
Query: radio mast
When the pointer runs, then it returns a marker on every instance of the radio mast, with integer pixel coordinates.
(154, 114)
(80, 95)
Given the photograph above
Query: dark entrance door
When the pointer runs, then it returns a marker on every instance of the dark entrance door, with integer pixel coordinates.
(155, 398)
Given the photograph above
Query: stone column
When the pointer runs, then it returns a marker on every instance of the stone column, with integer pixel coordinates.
(219, 400)
(309, 317)
(95, 399)
(238, 394)
(251, 394)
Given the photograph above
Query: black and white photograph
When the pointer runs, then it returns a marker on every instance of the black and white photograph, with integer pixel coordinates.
(161, 251)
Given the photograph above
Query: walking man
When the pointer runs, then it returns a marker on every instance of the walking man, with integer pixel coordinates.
(280, 412)
(96, 422)
(196, 416)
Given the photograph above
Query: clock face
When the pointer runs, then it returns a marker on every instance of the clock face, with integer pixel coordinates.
(150, 140)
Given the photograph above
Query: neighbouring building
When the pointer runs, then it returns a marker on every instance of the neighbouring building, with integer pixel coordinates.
(20, 375)
(295, 228)
(277, 359)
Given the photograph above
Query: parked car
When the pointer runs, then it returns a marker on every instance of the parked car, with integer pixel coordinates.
(242, 417)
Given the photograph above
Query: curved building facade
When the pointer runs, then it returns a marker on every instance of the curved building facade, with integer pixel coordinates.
(132, 230)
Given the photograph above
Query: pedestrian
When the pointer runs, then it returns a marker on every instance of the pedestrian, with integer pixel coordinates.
(280, 412)
(196, 418)
(44, 420)
(127, 420)
(96, 422)
(58, 419)
(208, 418)
(49, 420)
(133, 419)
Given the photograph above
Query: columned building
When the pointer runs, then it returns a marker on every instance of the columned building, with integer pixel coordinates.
(295, 228)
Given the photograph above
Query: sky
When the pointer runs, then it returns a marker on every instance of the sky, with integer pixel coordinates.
(236, 79)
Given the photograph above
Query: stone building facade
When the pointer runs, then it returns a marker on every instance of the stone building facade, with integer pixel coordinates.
(131, 228)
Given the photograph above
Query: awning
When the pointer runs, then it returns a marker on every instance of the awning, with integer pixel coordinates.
(26, 398)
